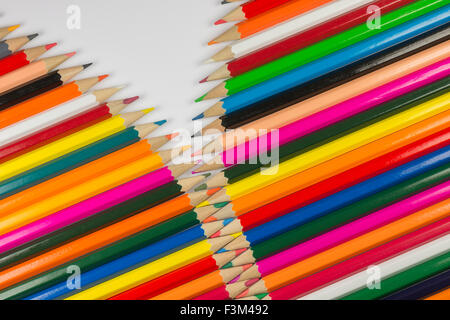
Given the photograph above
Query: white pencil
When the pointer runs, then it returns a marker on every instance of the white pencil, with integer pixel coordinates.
(54, 115)
(386, 269)
(289, 28)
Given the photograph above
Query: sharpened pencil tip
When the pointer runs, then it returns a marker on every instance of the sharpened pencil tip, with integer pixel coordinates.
(203, 80)
(211, 43)
(222, 250)
(51, 45)
(103, 77)
(220, 21)
(215, 235)
(32, 36)
(201, 98)
(12, 28)
(212, 191)
(148, 110)
(227, 221)
(160, 123)
(130, 100)
(228, 265)
(172, 135)
(210, 60)
(210, 219)
(200, 116)
(87, 65)
(70, 54)
(242, 295)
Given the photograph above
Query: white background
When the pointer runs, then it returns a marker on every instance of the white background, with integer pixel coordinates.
(155, 47)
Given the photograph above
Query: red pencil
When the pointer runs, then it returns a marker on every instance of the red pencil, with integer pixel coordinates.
(250, 9)
(22, 58)
(178, 277)
(353, 265)
(58, 131)
(301, 40)
(334, 184)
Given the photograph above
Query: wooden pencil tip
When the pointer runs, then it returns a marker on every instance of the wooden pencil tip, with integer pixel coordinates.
(148, 110)
(160, 123)
(12, 28)
(103, 77)
(220, 21)
(200, 116)
(210, 219)
(213, 191)
(210, 60)
(212, 42)
(70, 54)
(51, 45)
(130, 100)
(203, 80)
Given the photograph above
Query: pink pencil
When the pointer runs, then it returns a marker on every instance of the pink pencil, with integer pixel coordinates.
(338, 112)
(85, 209)
(354, 229)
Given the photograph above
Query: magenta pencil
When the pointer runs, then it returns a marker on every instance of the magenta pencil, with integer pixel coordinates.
(354, 229)
(339, 112)
(85, 209)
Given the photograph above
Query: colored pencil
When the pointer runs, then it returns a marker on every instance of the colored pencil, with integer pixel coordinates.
(60, 130)
(55, 115)
(46, 101)
(250, 9)
(101, 238)
(322, 49)
(302, 39)
(31, 71)
(344, 198)
(442, 295)
(102, 219)
(277, 33)
(75, 159)
(336, 60)
(319, 137)
(324, 221)
(153, 269)
(177, 277)
(8, 47)
(362, 261)
(147, 251)
(352, 248)
(39, 86)
(336, 148)
(268, 19)
(22, 58)
(403, 286)
(327, 82)
(335, 105)
(6, 30)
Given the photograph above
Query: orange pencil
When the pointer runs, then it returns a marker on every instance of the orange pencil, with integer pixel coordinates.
(48, 100)
(268, 19)
(31, 71)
